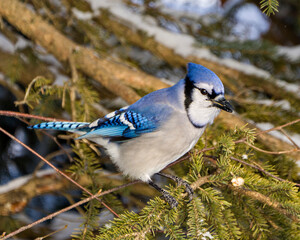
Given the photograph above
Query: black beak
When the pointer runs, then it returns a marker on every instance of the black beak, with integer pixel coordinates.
(223, 104)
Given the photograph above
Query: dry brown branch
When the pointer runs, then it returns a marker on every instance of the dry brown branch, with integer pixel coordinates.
(279, 127)
(138, 37)
(273, 152)
(260, 197)
(100, 194)
(26, 71)
(289, 138)
(104, 71)
(274, 144)
(14, 88)
(26, 115)
(44, 182)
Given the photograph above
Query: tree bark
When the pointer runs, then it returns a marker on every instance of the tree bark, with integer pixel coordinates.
(108, 73)
(104, 71)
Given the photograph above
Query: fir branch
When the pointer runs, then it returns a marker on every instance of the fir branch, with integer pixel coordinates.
(263, 199)
(269, 6)
(197, 225)
(261, 170)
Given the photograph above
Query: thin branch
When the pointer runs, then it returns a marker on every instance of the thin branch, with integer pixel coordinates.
(262, 170)
(53, 138)
(56, 169)
(26, 115)
(279, 127)
(27, 91)
(270, 152)
(289, 138)
(67, 209)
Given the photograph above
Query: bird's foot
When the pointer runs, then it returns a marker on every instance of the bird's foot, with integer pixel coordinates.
(169, 199)
(165, 195)
(179, 181)
(187, 186)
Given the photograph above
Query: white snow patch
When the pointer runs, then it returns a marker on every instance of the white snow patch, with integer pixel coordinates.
(22, 43)
(59, 78)
(82, 15)
(73, 222)
(50, 59)
(13, 184)
(291, 53)
(54, 67)
(284, 104)
(182, 44)
(265, 126)
(6, 45)
(191, 6)
(250, 22)
(290, 87)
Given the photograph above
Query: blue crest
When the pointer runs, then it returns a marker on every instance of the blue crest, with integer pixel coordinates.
(199, 74)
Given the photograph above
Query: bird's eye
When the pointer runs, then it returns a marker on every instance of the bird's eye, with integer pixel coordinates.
(203, 91)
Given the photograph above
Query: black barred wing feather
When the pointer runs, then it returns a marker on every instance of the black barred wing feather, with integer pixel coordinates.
(124, 124)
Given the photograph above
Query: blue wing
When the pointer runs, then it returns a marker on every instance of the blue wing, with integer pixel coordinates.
(144, 116)
(120, 124)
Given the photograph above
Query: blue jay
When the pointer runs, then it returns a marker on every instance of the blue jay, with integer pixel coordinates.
(143, 138)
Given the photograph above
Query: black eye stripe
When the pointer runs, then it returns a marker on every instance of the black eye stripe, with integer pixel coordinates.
(211, 96)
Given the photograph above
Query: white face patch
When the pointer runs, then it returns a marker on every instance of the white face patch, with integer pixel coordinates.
(205, 86)
(200, 111)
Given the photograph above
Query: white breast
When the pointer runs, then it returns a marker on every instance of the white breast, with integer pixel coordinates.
(144, 156)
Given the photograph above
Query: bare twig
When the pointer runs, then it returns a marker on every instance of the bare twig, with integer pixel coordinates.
(52, 233)
(262, 170)
(26, 115)
(27, 91)
(53, 138)
(272, 152)
(289, 138)
(279, 127)
(56, 169)
(67, 209)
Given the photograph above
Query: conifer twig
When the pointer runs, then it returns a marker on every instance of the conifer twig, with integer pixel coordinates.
(263, 199)
(262, 170)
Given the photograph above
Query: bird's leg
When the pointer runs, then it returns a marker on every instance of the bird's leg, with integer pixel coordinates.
(167, 197)
(180, 182)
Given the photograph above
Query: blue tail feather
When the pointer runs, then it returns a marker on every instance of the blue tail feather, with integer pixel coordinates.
(64, 126)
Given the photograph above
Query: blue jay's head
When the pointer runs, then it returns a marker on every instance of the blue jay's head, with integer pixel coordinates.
(204, 95)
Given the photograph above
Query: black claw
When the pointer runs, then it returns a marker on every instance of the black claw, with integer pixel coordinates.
(180, 182)
(169, 199)
(188, 189)
(165, 195)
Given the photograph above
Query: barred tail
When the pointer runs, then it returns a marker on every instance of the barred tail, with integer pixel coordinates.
(64, 126)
